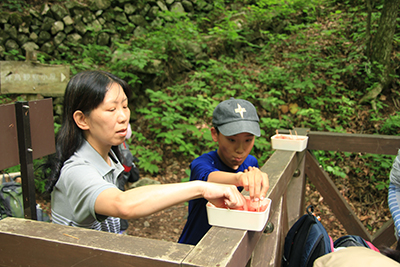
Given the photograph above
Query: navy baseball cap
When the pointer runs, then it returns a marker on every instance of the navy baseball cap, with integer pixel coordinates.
(235, 116)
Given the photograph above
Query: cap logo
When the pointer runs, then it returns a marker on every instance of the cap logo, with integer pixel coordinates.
(240, 110)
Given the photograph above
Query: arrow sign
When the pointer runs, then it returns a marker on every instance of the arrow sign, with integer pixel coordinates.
(18, 77)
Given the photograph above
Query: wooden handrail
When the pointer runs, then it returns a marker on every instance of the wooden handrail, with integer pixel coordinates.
(356, 143)
(34, 243)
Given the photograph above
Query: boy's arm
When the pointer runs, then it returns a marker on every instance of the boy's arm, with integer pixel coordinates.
(253, 180)
(225, 177)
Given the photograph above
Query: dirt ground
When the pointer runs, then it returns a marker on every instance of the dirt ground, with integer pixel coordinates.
(167, 224)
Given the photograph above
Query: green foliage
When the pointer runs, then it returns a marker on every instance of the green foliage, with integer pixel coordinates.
(229, 31)
(176, 37)
(14, 55)
(186, 179)
(330, 160)
(391, 125)
(262, 149)
(133, 58)
(13, 169)
(5, 99)
(40, 183)
(174, 120)
(378, 167)
(149, 157)
(373, 167)
(15, 5)
(271, 52)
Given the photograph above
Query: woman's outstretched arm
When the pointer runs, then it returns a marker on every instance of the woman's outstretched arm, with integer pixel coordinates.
(145, 200)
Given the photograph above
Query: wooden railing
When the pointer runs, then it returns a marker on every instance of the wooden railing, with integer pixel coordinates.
(29, 242)
(374, 144)
(56, 245)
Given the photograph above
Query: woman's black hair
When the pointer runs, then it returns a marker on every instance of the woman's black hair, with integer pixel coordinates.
(85, 91)
(394, 254)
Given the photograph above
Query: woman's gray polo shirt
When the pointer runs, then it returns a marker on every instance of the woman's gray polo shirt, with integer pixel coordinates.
(83, 177)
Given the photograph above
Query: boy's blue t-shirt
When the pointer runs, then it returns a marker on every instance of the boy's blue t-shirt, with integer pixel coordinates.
(197, 223)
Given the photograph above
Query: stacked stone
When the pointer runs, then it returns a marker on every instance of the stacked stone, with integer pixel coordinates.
(58, 28)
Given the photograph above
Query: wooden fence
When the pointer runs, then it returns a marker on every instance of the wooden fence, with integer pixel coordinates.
(29, 242)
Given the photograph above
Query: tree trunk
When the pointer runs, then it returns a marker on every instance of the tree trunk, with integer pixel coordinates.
(381, 49)
(368, 30)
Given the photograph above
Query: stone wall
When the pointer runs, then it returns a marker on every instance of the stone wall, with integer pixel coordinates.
(56, 28)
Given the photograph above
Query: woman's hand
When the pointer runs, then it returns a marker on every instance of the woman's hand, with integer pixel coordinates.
(222, 196)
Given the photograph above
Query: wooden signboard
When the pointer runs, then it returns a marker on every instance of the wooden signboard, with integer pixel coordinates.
(41, 128)
(28, 77)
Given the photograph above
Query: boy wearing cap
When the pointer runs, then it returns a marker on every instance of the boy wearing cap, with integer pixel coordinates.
(235, 125)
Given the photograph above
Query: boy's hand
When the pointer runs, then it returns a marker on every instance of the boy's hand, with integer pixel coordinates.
(255, 182)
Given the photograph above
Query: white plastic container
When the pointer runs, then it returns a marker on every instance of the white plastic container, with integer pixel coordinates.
(240, 219)
(289, 142)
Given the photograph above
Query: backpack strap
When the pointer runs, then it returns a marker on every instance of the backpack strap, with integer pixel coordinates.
(4, 177)
(12, 179)
(310, 210)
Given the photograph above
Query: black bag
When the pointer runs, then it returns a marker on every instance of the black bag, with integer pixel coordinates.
(131, 172)
(306, 240)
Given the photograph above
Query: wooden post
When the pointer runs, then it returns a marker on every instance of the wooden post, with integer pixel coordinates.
(26, 159)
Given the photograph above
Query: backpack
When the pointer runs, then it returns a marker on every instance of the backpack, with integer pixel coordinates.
(11, 200)
(353, 241)
(306, 240)
(131, 172)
